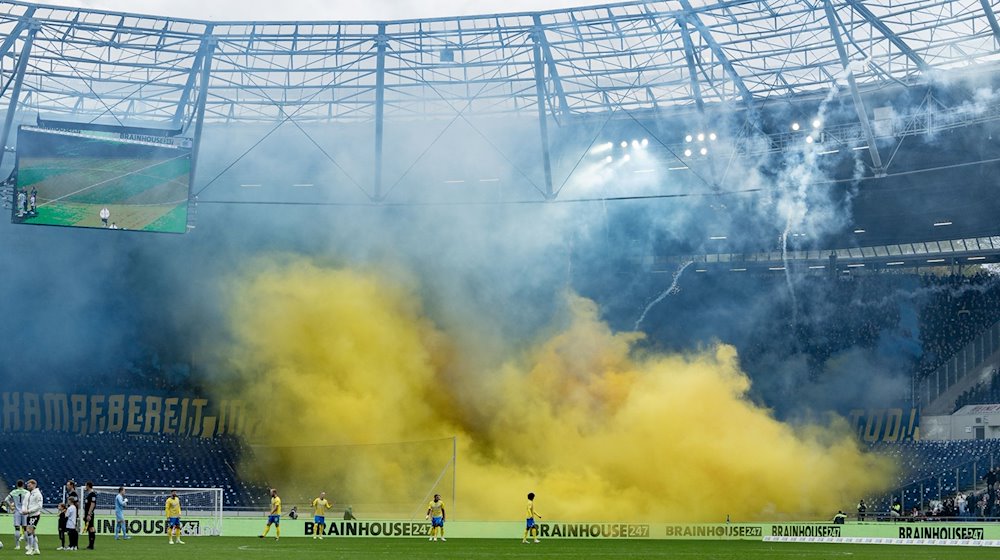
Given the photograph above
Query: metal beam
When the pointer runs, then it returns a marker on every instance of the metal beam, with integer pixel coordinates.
(380, 40)
(543, 126)
(866, 125)
(692, 67)
(689, 15)
(189, 85)
(551, 64)
(8, 41)
(875, 22)
(992, 19)
(22, 65)
(208, 46)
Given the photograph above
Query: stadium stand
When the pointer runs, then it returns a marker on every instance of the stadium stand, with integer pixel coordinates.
(934, 471)
(130, 460)
(958, 309)
(984, 393)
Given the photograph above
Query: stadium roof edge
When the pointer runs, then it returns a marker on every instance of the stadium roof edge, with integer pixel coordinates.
(589, 6)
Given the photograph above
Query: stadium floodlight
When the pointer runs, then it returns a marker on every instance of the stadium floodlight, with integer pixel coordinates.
(601, 148)
(687, 153)
(624, 144)
(941, 224)
(703, 151)
(817, 123)
(688, 138)
(701, 136)
(608, 159)
(712, 136)
(626, 157)
(809, 139)
(645, 142)
(795, 126)
(859, 231)
(635, 144)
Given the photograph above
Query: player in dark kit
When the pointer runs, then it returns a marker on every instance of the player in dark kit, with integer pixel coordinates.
(89, 508)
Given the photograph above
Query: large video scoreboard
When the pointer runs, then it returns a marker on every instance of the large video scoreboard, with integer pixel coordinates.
(101, 180)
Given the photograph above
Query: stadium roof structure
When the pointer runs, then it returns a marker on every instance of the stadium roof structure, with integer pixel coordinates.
(548, 65)
(630, 55)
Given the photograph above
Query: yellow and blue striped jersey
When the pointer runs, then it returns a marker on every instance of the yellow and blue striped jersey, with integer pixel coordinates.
(173, 507)
(321, 505)
(436, 509)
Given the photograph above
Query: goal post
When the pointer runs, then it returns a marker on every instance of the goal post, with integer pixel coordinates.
(201, 509)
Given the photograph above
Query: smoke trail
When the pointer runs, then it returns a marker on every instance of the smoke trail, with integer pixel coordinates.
(801, 175)
(673, 289)
(600, 430)
(788, 271)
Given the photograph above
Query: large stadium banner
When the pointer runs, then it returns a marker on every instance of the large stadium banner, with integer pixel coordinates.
(95, 180)
(886, 424)
(79, 413)
(924, 533)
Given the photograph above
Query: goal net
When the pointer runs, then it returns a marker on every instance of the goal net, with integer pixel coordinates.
(201, 509)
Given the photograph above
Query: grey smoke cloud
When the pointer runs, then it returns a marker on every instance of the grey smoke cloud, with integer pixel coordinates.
(85, 304)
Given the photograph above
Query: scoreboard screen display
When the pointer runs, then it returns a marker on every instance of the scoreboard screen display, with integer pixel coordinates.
(68, 178)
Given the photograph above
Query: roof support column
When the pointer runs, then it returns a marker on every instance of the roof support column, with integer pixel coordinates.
(875, 22)
(189, 85)
(22, 65)
(690, 16)
(208, 47)
(992, 19)
(859, 105)
(543, 126)
(380, 40)
(692, 67)
(22, 24)
(551, 64)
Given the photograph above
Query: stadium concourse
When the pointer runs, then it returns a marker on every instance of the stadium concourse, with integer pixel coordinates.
(578, 248)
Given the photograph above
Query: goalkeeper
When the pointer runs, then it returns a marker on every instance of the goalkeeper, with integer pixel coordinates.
(120, 526)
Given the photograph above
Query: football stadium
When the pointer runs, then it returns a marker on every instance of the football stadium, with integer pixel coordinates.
(667, 278)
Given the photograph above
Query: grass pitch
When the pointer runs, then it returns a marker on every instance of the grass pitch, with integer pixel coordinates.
(418, 548)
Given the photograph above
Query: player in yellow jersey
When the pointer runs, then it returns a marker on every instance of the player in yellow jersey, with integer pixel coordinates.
(435, 512)
(274, 518)
(320, 504)
(530, 526)
(173, 511)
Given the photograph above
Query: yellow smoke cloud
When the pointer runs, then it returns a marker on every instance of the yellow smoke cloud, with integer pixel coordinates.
(599, 430)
